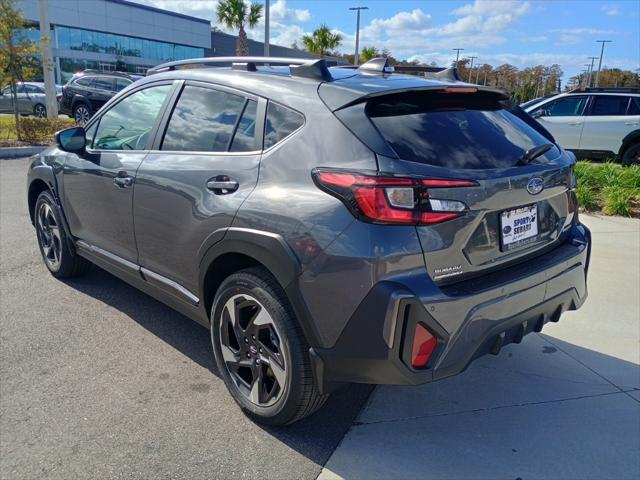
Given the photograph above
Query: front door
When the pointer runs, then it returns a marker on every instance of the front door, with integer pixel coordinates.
(98, 185)
(190, 186)
(564, 119)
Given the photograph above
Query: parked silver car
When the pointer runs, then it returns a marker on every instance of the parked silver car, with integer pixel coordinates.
(31, 99)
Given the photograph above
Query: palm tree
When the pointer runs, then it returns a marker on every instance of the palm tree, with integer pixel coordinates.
(235, 14)
(368, 53)
(322, 40)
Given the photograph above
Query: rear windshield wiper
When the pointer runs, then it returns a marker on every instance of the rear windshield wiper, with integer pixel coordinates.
(534, 153)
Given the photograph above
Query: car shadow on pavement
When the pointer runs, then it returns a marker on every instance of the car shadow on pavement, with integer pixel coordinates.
(315, 437)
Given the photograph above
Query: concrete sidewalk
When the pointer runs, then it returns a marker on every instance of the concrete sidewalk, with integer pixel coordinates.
(564, 404)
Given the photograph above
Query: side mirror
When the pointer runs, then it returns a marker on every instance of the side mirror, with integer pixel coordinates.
(72, 139)
(540, 113)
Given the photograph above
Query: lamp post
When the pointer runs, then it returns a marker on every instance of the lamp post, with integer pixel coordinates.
(471, 68)
(356, 59)
(47, 60)
(600, 61)
(266, 27)
(590, 71)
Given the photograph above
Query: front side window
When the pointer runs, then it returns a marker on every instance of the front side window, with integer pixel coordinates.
(281, 122)
(122, 83)
(127, 125)
(609, 105)
(203, 120)
(84, 81)
(565, 107)
(634, 106)
(33, 89)
(103, 83)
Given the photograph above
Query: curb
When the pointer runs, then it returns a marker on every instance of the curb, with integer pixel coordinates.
(17, 152)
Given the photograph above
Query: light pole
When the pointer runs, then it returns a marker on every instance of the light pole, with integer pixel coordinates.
(471, 68)
(590, 71)
(457, 55)
(356, 59)
(477, 74)
(600, 62)
(47, 60)
(266, 27)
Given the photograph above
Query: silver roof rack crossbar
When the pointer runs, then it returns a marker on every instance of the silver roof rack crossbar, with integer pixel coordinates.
(300, 67)
(381, 65)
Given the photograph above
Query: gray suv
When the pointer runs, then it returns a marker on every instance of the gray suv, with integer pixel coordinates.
(329, 225)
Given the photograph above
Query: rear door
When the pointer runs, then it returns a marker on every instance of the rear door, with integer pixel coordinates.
(564, 118)
(514, 211)
(101, 90)
(190, 186)
(608, 120)
(6, 100)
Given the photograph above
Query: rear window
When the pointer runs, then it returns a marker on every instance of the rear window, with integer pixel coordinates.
(454, 130)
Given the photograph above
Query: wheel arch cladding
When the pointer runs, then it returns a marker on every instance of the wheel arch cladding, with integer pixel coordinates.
(36, 187)
(244, 248)
(628, 140)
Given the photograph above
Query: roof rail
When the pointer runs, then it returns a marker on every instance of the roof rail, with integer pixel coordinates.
(378, 64)
(606, 90)
(300, 67)
(106, 72)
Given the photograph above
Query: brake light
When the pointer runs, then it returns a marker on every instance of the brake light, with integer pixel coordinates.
(389, 199)
(424, 343)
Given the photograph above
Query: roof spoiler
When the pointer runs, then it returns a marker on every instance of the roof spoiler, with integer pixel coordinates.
(300, 67)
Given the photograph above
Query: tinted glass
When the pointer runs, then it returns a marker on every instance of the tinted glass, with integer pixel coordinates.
(567, 106)
(609, 105)
(84, 81)
(634, 106)
(103, 83)
(127, 125)
(453, 130)
(244, 139)
(90, 133)
(33, 89)
(281, 122)
(203, 120)
(122, 83)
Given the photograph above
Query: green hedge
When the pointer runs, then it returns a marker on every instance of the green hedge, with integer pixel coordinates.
(609, 188)
(41, 130)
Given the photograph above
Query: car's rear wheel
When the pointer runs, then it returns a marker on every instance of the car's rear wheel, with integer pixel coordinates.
(81, 114)
(261, 351)
(52, 240)
(631, 155)
(40, 110)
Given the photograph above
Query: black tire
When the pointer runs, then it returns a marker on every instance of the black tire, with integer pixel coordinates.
(81, 113)
(631, 155)
(51, 236)
(299, 397)
(40, 111)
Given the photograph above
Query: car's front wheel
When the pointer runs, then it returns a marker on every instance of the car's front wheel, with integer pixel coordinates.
(61, 261)
(81, 114)
(40, 111)
(261, 351)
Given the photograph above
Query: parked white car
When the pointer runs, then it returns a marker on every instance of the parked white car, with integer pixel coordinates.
(594, 123)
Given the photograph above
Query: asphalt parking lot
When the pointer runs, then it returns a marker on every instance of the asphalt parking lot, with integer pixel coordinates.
(98, 380)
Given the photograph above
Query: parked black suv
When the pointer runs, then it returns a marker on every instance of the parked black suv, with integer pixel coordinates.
(328, 225)
(89, 90)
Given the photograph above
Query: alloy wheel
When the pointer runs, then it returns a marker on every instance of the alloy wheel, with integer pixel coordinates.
(40, 111)
(49, 236)
(82, 115)
(253, 350)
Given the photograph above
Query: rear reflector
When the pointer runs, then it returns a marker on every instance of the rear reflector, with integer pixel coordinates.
(424, 343)
(389, 199)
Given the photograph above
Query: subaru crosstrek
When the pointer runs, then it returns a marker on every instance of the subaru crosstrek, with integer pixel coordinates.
(329, 225)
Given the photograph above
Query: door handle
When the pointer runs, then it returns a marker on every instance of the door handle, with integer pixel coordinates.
(222, 185)
(631, 123)
(574, 123)
(123, 182)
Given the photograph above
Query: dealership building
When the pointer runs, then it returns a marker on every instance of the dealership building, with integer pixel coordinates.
(116, 35)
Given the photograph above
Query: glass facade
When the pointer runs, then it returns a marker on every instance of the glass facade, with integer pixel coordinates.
(121, 45)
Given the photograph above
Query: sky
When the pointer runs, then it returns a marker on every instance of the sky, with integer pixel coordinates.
(521, 32)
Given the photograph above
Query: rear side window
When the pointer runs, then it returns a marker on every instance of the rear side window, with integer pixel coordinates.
(453, 130)
(203, 120)
(634, 106)
(103, 83)
(281, 122)
(609, 105)
(244, 139)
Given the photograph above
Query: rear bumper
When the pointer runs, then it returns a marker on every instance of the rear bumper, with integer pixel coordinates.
(469, 319)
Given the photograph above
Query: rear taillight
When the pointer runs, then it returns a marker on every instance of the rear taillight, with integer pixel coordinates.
(389, 199)
(424, 343)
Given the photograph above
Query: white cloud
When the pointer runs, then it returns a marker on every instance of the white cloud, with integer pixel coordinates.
(611, 10)
(279, 12)
(493, 7)
(584, 31)
(402, 21)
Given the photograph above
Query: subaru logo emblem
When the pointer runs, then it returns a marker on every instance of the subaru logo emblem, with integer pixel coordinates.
(253, 350)
(535, 186)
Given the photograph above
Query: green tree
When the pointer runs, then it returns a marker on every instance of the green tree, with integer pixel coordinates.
(368, 53)
(237, 14)
(17, 52)
(322, 41)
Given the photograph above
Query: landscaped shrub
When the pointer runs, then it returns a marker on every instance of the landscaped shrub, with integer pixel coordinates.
(40, 130)
(609, 187)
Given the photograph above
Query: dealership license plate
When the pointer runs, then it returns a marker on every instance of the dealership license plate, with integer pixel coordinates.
(519, 226)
